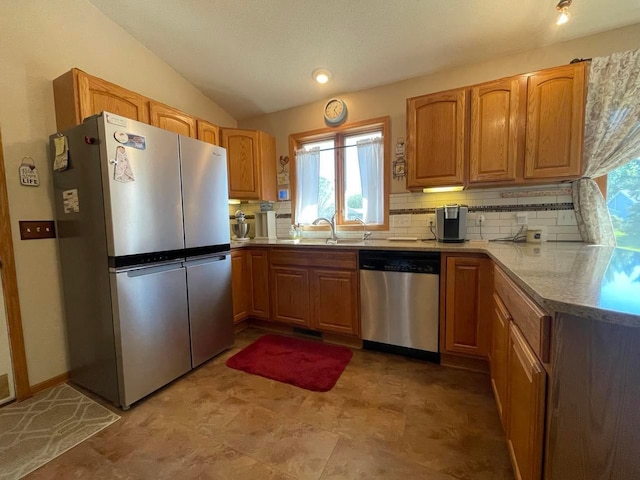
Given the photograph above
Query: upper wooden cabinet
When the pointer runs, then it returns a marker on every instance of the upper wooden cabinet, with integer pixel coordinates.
(498, 114)
(251, 164)
(436, 126)
(78, 95)
(208, 132)
(169, 118)
(555, 122)
(519, 130)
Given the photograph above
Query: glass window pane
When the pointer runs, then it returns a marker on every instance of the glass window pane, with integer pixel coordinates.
(623, 200)
(324, 203)
(355, 200)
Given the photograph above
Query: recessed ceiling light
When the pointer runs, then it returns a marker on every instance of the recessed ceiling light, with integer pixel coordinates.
(564, 15)
(321, 75)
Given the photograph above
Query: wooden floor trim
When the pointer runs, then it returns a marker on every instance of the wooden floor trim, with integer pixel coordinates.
(10, 290)
(52, 382)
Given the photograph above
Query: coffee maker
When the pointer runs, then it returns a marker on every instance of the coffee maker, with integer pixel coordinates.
(451, 223)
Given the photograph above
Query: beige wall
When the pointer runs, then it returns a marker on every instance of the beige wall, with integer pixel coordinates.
(39, 41)
(390, 99)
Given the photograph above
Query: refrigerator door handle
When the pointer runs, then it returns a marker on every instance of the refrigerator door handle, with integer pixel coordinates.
(205, 260)
(141, 271)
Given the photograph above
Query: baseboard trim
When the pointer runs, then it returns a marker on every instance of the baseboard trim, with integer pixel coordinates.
(52, 382)
(473, 364)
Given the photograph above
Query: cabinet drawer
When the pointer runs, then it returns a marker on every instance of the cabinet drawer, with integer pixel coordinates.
(325, 257)
(534, 322)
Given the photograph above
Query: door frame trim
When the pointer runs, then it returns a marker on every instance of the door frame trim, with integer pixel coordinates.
(10, 289)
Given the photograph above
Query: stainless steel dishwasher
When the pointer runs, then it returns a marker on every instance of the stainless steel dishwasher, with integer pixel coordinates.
(399, 299)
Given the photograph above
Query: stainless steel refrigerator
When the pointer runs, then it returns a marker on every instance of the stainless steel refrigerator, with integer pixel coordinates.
(142, 219)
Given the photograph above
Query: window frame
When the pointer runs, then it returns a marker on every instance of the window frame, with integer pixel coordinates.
(338, 134)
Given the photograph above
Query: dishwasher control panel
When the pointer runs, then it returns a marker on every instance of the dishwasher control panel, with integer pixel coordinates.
(407, 262)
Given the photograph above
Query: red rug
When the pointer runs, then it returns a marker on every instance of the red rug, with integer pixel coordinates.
(312, 365)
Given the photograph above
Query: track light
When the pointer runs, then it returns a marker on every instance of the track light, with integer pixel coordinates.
(563, 8)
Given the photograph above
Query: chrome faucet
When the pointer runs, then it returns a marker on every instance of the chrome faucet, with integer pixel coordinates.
(332, 223)
(365, 234)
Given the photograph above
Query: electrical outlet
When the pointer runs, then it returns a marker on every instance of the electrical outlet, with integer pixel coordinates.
(521, 218)
(32, 230)
(402, 220)
(566, 218)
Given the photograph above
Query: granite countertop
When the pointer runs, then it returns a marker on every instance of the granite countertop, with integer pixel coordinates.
(601, 283)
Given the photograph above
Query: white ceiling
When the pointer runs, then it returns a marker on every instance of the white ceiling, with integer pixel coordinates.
(256, 56)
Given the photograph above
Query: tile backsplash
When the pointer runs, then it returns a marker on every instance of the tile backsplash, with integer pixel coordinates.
(549, 208)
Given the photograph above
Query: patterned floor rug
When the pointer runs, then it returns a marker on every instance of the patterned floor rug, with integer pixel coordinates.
(37, 430)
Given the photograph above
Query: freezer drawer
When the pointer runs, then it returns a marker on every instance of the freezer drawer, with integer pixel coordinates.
(210, 306)
(151, 324)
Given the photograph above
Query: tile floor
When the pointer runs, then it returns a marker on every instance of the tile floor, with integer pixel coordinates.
(388, 418)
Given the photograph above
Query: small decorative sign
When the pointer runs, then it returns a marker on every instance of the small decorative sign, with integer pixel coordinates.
(29, 175)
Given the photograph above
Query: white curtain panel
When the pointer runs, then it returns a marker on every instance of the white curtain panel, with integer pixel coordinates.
(307, 185)
(371, 162)
(612, 138)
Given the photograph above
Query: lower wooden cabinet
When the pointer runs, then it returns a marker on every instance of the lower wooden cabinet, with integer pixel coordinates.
(499, 356)
(315, 290)
(526, 389)
(239, 283)
(258, 272)
(334, 296)
(290, 295)
(468, 289)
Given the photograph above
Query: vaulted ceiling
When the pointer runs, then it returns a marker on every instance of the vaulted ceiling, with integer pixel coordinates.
(256, 56)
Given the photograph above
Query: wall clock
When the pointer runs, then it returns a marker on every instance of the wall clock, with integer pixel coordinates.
(335, 111)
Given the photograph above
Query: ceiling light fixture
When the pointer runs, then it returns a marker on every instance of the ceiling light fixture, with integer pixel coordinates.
(321, 75)
(563, 8)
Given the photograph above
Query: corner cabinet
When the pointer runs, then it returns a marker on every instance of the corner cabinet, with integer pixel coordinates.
(169, 118)
(251, 164)
(78, 95)
(555, 122)
(436, 125)
(467, 295)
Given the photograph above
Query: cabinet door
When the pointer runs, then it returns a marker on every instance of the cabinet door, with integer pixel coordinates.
(498, 114)
(258, 263)
(436, 139)
(240, 284)
(207, 132)
(97, 95)
(171, 119)
(242, 162)
(334, 295)
(526, 385)
(468, 290)
(499, 356)
(290, 295)
(555, 123)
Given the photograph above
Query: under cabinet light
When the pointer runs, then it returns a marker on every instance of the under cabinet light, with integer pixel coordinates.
(457, 188)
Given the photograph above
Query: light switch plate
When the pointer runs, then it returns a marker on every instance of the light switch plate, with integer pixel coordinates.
(33, 230)
(566, 217)
(402, 220)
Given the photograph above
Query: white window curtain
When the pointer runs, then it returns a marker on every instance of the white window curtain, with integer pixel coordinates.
(307, 184)
(612, 138)
(371, 162)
